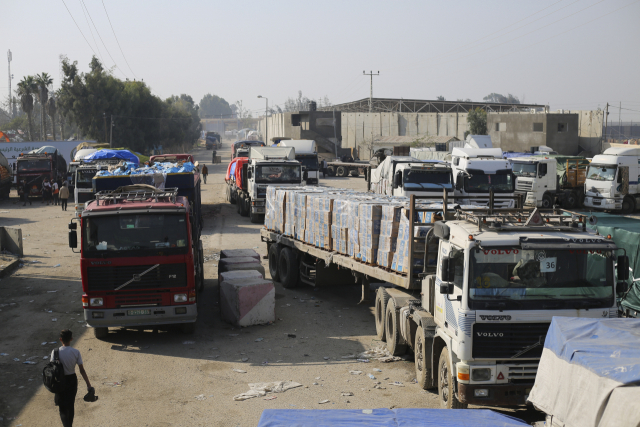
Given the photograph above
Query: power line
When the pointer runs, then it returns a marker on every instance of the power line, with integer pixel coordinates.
(105, 46)
(114, 35)
(74, 21)
(94, 39)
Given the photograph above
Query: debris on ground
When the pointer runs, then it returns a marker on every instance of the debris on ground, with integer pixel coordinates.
(381, 354)
(258, 339)
(372, 377)
(188, 342)
(262, 389)
(397, 384)
(377, 370)
(240, 371)
(355, 372)
(362, 360)
(324, 401)
(347, 393)
(201, 397)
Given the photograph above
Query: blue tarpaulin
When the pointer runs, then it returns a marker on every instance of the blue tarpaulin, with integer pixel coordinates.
(113, 154)
(159, 167)
(607, 347)
(386, 418)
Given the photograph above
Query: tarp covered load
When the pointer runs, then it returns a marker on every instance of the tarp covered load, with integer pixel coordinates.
(589, 373)
(381, 177)
(387, 418)
(128, 168)
(113, 154)
(431, 155)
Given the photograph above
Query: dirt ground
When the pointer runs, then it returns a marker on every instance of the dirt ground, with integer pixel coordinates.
(165, 378)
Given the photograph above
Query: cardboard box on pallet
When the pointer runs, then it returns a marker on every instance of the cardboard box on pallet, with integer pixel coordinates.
(385, 258)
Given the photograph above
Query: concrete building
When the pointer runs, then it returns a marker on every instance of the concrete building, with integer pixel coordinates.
(517, 131)
(321, 126)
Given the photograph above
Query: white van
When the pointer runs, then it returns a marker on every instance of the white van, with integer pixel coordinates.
(612, 180)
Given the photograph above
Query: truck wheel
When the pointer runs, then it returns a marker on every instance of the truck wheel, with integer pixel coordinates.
(245, 207)
(446, 390)
(382, 297)
(232, 199)
(256, 218)
(100, 333)
(188, 328)
(355, 173)
(274, 253)
(331, 171)
(570, 200)
(422, 362)
(628, 205)
(342, 171)
(288, 268)
(239, 206)
(392, 329)
(547, 202)
(226, 195)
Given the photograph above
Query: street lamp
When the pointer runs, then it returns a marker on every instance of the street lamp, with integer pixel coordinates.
(266, 120)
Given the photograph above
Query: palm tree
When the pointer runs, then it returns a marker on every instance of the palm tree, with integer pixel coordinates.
(61, 112)
(43, 80)
(51, 110)
(25, 88)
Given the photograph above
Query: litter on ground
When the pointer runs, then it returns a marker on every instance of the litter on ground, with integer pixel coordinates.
(262, 389)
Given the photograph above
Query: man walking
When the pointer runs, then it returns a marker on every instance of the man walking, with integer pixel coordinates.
(46, 191)
(205, 172)
(55, 191)
(64, 196)
(69, 358)
(23, 190)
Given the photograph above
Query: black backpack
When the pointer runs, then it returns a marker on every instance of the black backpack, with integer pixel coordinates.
(53, 374)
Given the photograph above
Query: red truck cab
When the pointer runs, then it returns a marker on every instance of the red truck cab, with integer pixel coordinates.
(137, 259)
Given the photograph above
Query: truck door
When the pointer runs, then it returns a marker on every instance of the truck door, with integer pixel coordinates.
(623, 180)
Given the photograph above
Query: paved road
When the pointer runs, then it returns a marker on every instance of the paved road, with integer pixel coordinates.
(152, 379)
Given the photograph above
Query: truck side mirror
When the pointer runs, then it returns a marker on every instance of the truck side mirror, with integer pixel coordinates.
(305, 175)
(397, 180)
(623, 267)
(73, 225)
(73, 239)
(459, 181)
(543, 170)
(249, 174)
(445, 275)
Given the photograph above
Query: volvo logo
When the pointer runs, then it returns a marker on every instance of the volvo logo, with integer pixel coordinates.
(136, 278)
(492, 317)
(490, 334)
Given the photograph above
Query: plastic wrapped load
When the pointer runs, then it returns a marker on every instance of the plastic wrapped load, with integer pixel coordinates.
(130, 168)
(369, 231)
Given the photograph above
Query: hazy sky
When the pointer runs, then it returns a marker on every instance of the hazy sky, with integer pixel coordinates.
(575, 54)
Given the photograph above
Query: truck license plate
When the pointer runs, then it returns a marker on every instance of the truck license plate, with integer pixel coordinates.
(138, 312)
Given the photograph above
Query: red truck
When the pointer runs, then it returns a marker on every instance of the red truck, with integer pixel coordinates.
(141, 258)
(32, 169)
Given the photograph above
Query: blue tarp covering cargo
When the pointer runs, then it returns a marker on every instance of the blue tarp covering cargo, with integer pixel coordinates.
(113, 154)
(386, 418)
(589, 373)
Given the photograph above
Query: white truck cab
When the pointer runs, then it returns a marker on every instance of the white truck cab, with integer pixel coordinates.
(268, 166)
(612, 180)
(307, 154)
(536, 178)
(477, 171)
(419, 178)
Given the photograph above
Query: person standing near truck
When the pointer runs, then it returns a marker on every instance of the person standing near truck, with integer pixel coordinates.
(55, 191)
(69, 357)
(46, 191)
(205, 172)
(64, 195)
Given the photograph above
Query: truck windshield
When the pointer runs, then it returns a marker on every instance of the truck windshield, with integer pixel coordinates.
(540, 278)
(601, 172)
(84, 177)
(419, 180)
(503, 183)
(135, 235)
(277, 173)
(34, 165)
(309, 162)
(525, 169)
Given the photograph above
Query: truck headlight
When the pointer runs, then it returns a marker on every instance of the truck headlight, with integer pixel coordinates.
(180, 298)
(481, 392)
(481, 374)
(611, 200)
(96, 302)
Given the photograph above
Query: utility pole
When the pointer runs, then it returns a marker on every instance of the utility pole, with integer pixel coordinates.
(104, 116)
(9, 58)
(371, 74)
(266, 120)
(620, 120)
(606, 124)
(111, 130)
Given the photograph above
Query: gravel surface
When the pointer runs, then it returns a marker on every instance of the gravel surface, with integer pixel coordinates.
(165, 378)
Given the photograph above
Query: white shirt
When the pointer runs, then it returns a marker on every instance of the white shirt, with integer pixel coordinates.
(69, 357)
(55, 186)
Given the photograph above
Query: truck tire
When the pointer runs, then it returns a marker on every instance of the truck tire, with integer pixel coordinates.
(570, 200)
(382, 297)
(100, 333)
(342, 171)
(446, 389)
(355, 173)
(547, 202)
(288, 270)
(274, 253)
(245, 206)
(628, 205)
(232, 199)
(423, 361)
(395, 343)
(331, 171)
(255, 218)
(188, 328)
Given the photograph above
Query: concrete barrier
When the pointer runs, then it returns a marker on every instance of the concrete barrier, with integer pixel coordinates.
(11, 240)
(247, 301)
(235, 253)
(240, 263)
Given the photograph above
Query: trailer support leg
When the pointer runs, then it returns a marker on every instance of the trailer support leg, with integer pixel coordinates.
(367, 295)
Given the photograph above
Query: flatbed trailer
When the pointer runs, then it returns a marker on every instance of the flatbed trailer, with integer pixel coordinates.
(343, 169)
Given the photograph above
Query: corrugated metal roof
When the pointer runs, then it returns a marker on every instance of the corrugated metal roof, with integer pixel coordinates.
(399, 140)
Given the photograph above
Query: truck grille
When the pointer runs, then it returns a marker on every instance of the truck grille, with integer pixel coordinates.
(163, 276)
(525, 373)
(523, 185)
(506, 340)
(137, 300)
(262, 192)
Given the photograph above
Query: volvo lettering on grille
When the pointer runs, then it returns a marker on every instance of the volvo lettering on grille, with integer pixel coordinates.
(494, 317)
(490, 334)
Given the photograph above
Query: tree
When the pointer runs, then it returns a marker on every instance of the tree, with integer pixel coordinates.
(51, 111)
(243, 114)
(26, 88)
(214, 106)
(440, 98)
(43, 80)
(477, 120)
(496, 97)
